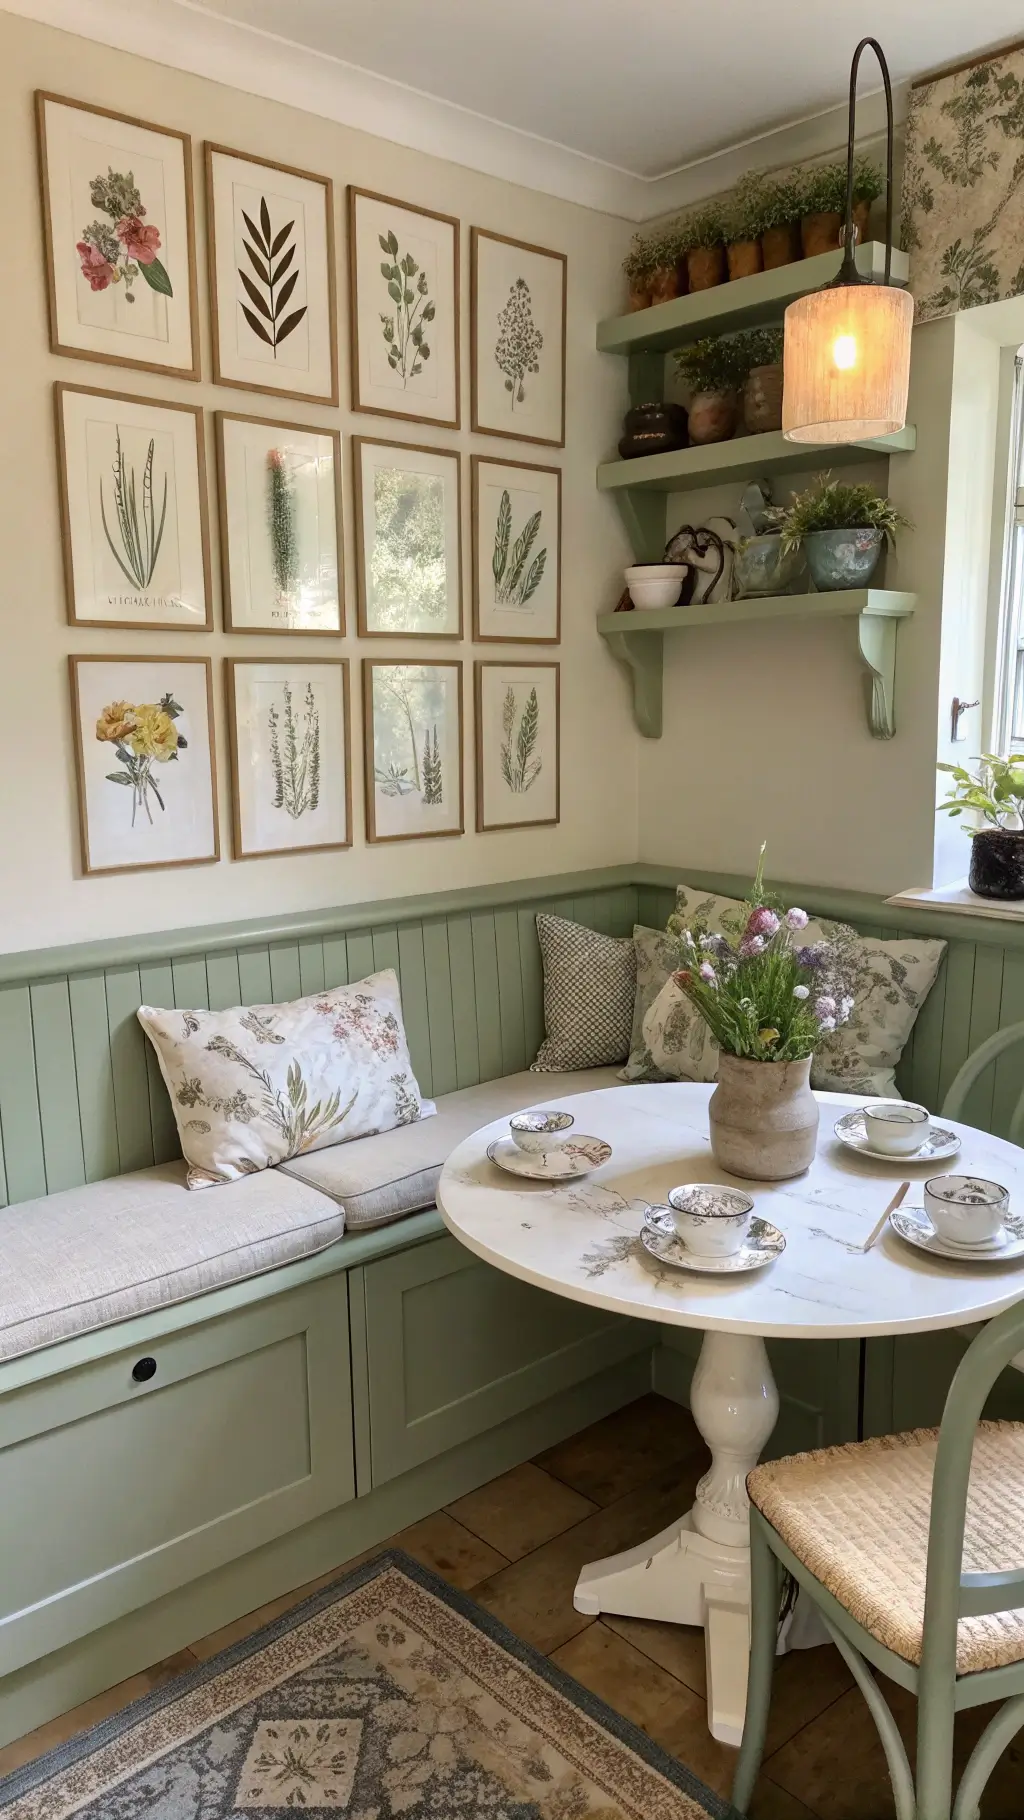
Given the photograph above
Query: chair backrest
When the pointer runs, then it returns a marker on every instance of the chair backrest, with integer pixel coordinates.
(985, 1056)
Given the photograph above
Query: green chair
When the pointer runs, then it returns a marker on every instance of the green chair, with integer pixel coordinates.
(975, 1065)
(874, 1533)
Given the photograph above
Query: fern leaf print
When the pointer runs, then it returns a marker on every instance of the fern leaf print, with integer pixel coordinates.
(270, 279)
(514, 582)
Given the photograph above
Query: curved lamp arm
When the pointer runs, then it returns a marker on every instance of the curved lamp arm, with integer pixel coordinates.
(848, 273)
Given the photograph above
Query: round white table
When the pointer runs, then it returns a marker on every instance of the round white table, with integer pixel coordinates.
(581, 1240)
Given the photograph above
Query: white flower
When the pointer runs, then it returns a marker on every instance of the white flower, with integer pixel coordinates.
(826, 1023)
(797, 919)
(801, 991)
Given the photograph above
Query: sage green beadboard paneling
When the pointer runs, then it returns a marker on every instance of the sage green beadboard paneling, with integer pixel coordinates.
(510, 992)
(986, 1000)
(531, 968)
(128, 1066)
(284, 972)
(60, 1115)
(385, 949)
(488, 1003)
(191, 984)
(156, 983)
(95, 1082)
(311, 968)
(463, 976)
(956, 1014)
(335, 949)
(440, 1013)
(413, 978)
(360, 955)
(19, 1097)
(1008, 1073)
(222, 982)
(254, 983)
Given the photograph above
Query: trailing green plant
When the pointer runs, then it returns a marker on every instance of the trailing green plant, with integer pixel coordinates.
(704, 227)
(995, 791)
(643, 256)
(759, 203)
(833, 505)
(139, 533)
(716, 363)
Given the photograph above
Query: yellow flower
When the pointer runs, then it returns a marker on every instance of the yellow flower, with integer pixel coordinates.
(154, 734)
(116, 722)
(768, 1036)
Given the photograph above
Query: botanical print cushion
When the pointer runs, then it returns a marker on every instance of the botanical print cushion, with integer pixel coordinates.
(589, 988)
(255, 1085)
(888, 981)
(656, 957)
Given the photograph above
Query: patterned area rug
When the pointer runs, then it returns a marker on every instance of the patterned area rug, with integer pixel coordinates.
(386, 1694)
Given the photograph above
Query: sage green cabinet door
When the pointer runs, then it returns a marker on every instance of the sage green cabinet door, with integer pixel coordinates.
(114, 1491)
(454, 1347)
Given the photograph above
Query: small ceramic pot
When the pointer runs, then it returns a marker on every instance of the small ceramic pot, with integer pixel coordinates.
(663, 284)
(997, 863)
(896, 1126)
(653, 429)
(781, 245)
(655, 584)
(538, 1132)
(744, 258)
(713, 416)
(763, 1118)
(761, 567)
(640, 293)
(821, 232)
(705, 267)
(965, 1208)
(762, 399)
(710, 1220)
(842, 559)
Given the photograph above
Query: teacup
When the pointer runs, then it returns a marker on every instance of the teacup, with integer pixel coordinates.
(710, 1220)
(966, 1209)
(537, 1132)
(896, 1126)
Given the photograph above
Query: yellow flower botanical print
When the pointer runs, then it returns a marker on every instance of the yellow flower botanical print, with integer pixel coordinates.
(116, 721)
(153, 734)
(142, 735)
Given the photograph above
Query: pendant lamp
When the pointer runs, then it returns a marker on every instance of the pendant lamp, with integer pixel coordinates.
(846, 357)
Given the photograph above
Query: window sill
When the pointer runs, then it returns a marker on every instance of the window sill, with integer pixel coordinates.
(959, 900)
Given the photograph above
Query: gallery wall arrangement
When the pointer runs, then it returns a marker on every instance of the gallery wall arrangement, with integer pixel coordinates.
(122, 286)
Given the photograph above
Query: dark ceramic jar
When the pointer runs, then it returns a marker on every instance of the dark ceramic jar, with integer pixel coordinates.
(997, 863)
(653, 429)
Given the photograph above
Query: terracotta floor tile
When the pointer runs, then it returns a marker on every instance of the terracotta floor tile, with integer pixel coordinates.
(101, 1706)
(521, 1510)
(449, 1549)
(622, 1451)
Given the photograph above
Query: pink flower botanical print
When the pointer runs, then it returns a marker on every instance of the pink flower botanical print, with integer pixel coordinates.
(120, 248)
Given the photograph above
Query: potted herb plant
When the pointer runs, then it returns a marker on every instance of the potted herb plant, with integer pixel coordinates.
(868, 185)
(771, 207)
(703, 236)
(638, 266)
(713, 369)
(762, 388)
(824, 206)
(995, 792)
(742, 223)
(841, 528)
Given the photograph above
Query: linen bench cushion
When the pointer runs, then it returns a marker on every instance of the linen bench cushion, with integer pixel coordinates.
(383, 1178)
(858, 1517)
(87, 1257)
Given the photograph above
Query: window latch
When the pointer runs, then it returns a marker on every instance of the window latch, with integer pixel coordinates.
(957, 710)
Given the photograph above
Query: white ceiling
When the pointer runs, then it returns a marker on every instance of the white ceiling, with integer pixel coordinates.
(646, 86)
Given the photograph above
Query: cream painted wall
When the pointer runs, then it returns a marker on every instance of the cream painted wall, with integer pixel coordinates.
(44, 899)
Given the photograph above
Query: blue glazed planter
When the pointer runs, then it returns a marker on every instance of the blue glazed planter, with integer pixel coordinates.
(842, 559)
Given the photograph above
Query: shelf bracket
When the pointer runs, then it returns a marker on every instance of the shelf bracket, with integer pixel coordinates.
(644, 658)
(644, 516)
(876, 640)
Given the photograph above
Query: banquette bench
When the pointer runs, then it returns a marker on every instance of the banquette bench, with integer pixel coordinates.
(207, 1399)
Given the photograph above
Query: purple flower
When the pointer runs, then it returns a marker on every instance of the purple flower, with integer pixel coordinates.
(825, 1007)
(749, 946)
(717, 944)
(762, 922)
(796, 919)
(708, 974)
(810, 957)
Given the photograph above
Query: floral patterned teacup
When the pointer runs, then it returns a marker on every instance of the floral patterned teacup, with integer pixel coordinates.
(965, 1208)
(539, 1132)
(711, 1221)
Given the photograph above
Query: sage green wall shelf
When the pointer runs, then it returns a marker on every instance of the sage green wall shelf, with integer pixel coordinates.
(637, 639)
(743, 303)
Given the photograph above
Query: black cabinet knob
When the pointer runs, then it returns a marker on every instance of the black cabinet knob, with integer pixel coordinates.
(143, 1370)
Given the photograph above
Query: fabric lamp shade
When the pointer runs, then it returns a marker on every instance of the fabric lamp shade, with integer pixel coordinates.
(846, 363)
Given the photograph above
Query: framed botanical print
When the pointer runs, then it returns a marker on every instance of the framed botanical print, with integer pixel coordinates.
(404, 308)
(272, 291)
(517, 745)
(289, 725)
(120, 237)
(517, 336)
(517, 552)
(412, 740)
(134, 526)
(408, 540)
(144, 756)
(279, 490)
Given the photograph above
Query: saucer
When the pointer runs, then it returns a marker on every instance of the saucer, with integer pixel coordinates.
(940, 1142)
(763, 1243)
(913, 1225)
(567, 1164)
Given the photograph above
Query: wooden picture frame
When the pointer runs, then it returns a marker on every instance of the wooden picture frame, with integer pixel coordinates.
(76, 509)
(119, 263)
(228, 551)
(81, 666)
(373, 834)
(453, 538)
(521, 673)
(373, 391)
(249, 371)
(233, 665)
(492, 296)
(514, 623)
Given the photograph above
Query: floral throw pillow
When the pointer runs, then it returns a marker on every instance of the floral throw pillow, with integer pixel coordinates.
(255, 1085)
(656, 956)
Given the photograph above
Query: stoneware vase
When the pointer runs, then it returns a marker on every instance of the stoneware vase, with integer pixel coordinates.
(762, 399)
(705, 267)
(713, 416)
(842, 559)
(761, 567)
(997, 863)
(764, 1118)
(781, 245)
(744, 257)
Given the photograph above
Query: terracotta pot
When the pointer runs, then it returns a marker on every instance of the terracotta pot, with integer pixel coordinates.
(640, 293)
(664, 284)
(762, 399)
(781, 245)
(705, 267)
(713, 416)
(763, 1118)
(683, 275)
(821, 233)
(744, 257)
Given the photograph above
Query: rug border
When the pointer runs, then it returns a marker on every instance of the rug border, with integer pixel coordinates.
(23, 1781)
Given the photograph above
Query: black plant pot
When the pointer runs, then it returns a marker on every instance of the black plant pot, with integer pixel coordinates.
(653, 429)
(997, 863)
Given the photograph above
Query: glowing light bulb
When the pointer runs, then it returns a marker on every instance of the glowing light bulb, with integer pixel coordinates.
(844, 352)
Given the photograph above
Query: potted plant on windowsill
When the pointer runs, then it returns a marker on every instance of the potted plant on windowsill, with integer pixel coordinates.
(995, 792)
(841, 528)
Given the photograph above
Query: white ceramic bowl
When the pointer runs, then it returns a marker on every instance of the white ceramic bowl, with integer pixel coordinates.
(965, 1208)
(537, 1132)
(655, 584)
(896, 1126)
(711, 1221)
